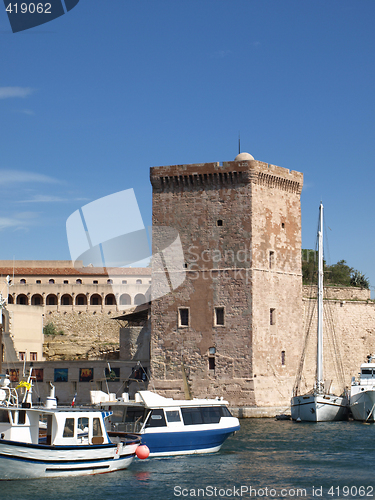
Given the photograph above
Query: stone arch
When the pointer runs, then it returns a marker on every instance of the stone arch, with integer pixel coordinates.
(10, 299)
(51, 300)
(125, 299)
(66, 300)
(110, 300)
(37, 300)
(22, 299)
(81, 300)
(95, 300)
(139, 299)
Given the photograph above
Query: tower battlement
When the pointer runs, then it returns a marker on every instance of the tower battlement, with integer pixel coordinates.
(199, 175)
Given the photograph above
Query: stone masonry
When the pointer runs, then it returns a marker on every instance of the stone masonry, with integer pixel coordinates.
(233, 327)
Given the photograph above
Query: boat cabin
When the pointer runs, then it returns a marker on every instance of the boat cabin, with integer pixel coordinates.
(53, 426)
(367, 374)
(150, 410)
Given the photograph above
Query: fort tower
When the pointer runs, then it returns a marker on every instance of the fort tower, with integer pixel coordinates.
(233, 328)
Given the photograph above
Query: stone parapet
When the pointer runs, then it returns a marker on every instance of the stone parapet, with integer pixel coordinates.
(337, 293)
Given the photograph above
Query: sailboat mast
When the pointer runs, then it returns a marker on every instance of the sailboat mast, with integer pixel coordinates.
(319, 364)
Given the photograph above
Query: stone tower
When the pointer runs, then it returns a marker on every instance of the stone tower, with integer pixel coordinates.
(233, 328)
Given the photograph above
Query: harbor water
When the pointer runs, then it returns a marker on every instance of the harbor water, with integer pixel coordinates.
(265, 459)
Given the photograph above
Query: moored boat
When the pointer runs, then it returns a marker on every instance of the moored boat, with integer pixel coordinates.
(362, 393)
(168, 426)
(319, 405)
(48, 442)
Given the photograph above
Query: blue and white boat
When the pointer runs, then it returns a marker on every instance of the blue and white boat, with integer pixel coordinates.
(168, 426)
(38, 442)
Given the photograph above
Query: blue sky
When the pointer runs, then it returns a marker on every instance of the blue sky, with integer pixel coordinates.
(90, 101)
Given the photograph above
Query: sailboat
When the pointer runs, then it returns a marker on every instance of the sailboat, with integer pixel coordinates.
(319, 405)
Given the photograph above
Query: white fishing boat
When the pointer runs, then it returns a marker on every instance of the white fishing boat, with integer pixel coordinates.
(38, 442)
(319, 405)
(362, 393)
(169, 426)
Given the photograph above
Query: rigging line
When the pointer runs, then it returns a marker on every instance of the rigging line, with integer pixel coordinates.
(331, 346)
(326, 250)
(311, 306)
(332, 335)
(335, 336)
(303, 355)
(329, 307)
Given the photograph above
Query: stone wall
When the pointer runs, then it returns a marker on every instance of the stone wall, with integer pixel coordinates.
(351, 326)
(86, 335)
(277, 281)
(135, 342)
(338, 293)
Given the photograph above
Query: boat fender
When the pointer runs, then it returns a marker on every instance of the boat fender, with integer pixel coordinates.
(142, 451)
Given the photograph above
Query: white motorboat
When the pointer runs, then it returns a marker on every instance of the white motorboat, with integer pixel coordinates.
(362, 393)
(169, 426)
(319, 405)
(38, 442)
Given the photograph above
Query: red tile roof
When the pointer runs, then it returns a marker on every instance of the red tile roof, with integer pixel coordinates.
(70, 271)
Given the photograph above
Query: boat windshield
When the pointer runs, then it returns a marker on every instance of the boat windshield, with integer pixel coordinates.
(156, 419)
(127, 419)
(204, 414)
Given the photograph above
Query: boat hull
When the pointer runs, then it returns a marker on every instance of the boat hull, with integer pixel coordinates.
(28, 461)
(362, 405)
(186, 442)
(319, 408)
(168, 442)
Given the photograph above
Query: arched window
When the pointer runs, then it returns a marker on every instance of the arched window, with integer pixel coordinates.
(37, 300)
(51, 300)
(23, 281)
(81, 300)
(139, 299)
(125, 300)
(78, 281)
(138, 282)
(22, 299)
(66, 300)
(96, 300)
(110, 300)
(51, 281)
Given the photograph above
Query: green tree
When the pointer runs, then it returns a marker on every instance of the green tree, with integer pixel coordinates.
(50, 330)
(338, 274)
(309, 266)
